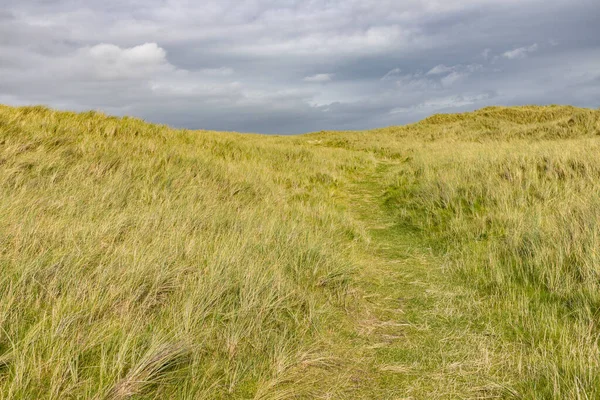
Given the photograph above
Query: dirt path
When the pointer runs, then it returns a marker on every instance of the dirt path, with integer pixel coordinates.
(421, 334)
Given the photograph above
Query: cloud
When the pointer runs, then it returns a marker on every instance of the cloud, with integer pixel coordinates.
(108, 61)
(439, 69)
(443, 103)
(145, 54)
(520, 52)
(448, 76)
(452, 78)
(415, 82)
(394, 74)
(222, 71)
(319, 78)
(295, 66)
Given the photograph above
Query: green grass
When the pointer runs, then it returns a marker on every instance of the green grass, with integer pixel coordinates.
(452, 258)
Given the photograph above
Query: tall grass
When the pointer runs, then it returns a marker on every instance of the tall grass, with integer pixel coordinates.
(519, 219)
(142, 261)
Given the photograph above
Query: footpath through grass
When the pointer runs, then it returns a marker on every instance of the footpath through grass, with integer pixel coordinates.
(490, 224)
(420, 330)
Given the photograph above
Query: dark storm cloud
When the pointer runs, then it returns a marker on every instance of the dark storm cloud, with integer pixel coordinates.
(295, 66)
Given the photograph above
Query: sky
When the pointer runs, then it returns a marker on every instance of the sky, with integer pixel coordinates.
(293, 66)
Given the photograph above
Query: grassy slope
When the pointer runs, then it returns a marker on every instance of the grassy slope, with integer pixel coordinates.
(456, 257)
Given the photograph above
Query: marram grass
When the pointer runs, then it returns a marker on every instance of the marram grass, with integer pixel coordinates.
(145, 262)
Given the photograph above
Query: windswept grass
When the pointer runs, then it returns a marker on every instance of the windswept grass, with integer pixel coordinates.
(519, 220)
(140, 261)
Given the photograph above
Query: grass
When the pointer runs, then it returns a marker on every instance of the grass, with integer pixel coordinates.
(452, 258)
(520, 223)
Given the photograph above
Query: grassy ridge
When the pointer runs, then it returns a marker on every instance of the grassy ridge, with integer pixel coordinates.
(509, 197)
(520, 221)
(145, 262)
(517, 217)
(134, 256)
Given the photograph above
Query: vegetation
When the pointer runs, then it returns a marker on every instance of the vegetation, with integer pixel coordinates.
(452, 258)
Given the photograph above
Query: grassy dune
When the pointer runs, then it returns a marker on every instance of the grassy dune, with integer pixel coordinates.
(144, 262)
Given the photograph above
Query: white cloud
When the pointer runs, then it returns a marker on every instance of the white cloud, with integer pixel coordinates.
(181, 88)
(453, 74)
(453, 101)
(340, 41)
(392, 75)
(111, 62)
(319, 78)
(439, 69)
(145, 54)
(223, 71)
(520, 52)
(452, 78)
(416, 82)
(441, 103)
